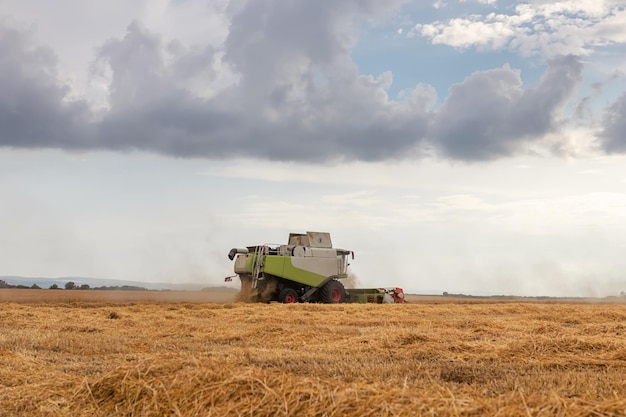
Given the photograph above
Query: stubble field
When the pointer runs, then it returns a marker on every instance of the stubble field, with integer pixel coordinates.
(99, 355)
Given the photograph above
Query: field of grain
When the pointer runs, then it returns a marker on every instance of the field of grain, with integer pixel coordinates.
(91, 357)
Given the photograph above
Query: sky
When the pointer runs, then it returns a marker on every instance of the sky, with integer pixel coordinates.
(466, 146)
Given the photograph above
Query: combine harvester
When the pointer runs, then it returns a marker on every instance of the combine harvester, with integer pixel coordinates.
(306, 269)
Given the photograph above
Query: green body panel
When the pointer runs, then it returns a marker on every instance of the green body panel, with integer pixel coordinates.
(366, 295)
(376, 295)
(300, 275)
(281, 266)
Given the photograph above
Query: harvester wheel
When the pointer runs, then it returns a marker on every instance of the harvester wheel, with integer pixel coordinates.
(288, 296)
(333, 292)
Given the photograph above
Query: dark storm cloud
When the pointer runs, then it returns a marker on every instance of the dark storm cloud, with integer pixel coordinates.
(490, 116)
(150, 110)
(35, 110)
(613, 136)
(298, 96)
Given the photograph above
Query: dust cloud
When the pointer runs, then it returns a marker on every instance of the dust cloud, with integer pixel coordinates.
(352, 281)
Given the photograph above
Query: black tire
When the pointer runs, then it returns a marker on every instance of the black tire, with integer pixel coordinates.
(333, 292)
(288, 296)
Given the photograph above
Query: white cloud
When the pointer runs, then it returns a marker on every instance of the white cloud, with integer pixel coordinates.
(480, 1)
(547, 28)
(492, 33)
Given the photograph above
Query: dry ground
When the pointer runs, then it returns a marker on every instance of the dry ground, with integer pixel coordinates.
(90, 357)
(113, 296)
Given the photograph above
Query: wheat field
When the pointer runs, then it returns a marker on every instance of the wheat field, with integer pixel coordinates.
(84, 357)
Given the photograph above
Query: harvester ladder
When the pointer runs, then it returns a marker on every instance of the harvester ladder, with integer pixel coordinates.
(258, 263)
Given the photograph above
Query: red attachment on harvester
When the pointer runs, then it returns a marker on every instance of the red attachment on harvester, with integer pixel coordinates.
(398, 295)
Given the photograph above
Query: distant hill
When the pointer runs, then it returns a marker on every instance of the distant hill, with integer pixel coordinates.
(46, 282)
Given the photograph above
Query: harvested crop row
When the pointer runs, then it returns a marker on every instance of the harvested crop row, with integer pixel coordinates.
(242, 359)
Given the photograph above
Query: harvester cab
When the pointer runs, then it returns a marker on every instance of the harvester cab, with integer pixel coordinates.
(307, 268)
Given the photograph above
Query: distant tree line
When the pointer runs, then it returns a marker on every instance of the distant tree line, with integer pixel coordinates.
(541, 297)
(4, 284)
(70, 285)
(122, 288)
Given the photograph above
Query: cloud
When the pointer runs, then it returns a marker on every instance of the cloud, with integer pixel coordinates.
(297, 95)
(495, 32)
(544, 28)
(613, 135)
(282, 86)
(35, 110)
(490, 116)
